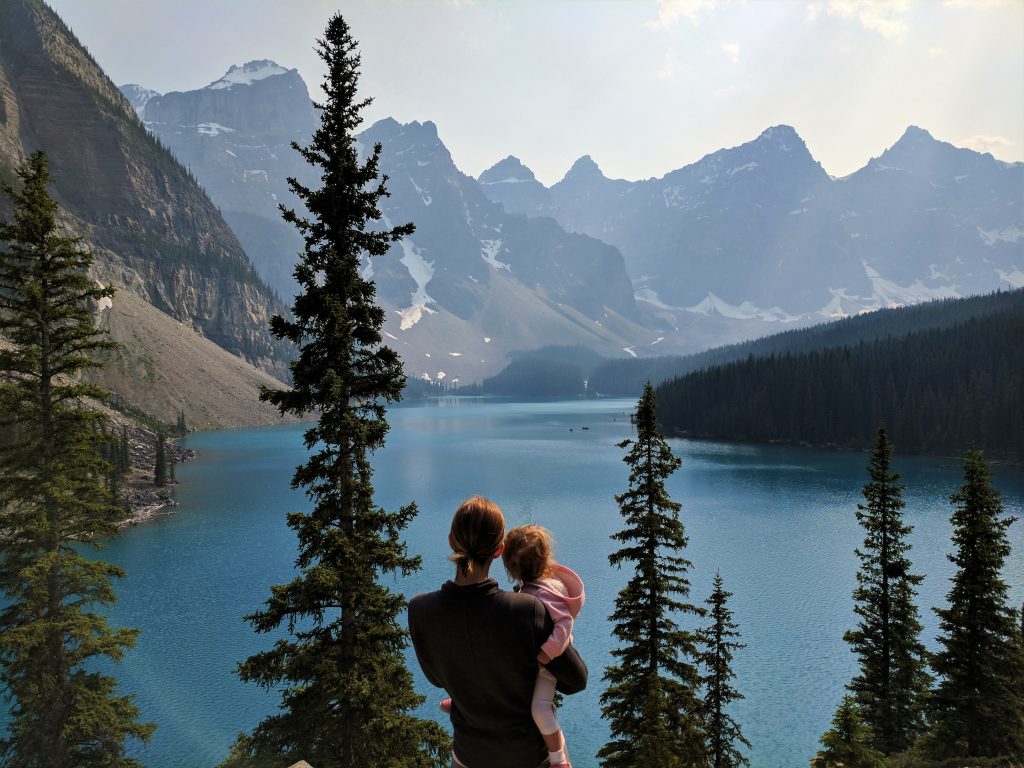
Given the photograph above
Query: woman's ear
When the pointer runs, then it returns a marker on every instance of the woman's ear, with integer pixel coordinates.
(498, 551)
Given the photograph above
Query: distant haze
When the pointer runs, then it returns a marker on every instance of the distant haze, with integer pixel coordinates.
(643, 87)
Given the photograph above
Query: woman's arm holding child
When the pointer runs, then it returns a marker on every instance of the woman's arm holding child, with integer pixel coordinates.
(561, 636)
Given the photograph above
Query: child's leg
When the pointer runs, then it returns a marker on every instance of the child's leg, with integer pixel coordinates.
(543, 710)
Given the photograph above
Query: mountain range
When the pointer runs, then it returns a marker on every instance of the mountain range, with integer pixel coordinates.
(743, 242)
(471, 285)
(761, 230)
(178, 195)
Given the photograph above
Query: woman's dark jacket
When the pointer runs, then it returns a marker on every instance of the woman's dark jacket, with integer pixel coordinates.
(480, 644)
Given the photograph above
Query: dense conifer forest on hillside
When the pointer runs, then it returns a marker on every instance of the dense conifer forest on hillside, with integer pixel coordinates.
(937, 390)
(625, 377)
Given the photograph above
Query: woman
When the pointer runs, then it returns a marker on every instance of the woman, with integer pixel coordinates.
(480, 643)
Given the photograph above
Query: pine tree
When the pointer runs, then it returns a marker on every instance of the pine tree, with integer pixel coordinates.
(892, 678)
(65, 714)
(160, 462)
(652, 701)
(347, 694)
(846, 742)
(126, 454)
(977, 708)
(718, 642)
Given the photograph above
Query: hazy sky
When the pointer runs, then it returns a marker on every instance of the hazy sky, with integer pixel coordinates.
(643, 86)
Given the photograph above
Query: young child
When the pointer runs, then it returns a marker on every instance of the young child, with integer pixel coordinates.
(529, 562)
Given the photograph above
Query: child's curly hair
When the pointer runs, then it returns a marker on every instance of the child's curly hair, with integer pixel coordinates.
(528, 553)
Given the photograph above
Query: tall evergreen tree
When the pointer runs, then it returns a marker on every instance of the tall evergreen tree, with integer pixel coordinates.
(718, 641)
(652, 702)
(846, 743)
(64, 714)
(892, 678)
(160, 462)
(977, 708)
(347, 695)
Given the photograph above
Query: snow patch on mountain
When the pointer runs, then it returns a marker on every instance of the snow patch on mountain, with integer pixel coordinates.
(714, 305)
(891, 294)
(1006, 235)
(138, 96)
(489, 254)
(843, 305)
(365, 267)
(740, 169)
(247, 74)
(427, 199)
(1015, 277)
(421, 271)
(213, 129)
(651, 297)
(412, 315)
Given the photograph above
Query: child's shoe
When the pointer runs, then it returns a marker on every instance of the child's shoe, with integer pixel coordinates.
(445, 705)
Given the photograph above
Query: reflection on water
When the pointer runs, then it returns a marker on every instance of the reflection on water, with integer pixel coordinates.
(777, 522)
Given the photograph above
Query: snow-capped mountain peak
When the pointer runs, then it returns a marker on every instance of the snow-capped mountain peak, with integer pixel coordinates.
(248, 73)
(137, 96)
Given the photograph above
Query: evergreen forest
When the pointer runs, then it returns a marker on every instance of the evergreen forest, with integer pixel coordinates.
(937, 390)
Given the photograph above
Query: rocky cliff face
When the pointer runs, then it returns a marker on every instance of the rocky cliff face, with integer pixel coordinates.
(236, 134)
(475, 282)
(150, 226)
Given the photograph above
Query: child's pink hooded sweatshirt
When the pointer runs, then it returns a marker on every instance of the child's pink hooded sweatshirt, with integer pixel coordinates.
(563, 597)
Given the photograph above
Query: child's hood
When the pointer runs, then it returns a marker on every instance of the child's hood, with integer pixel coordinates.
(573, 584)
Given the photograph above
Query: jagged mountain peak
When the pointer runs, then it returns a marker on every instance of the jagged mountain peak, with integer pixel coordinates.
(417, 143)
(584, 169)
(249, 73)
(780, 139)
(780, 135)
(509, 169)
(918, 150)
(425, 132)
(916, 133)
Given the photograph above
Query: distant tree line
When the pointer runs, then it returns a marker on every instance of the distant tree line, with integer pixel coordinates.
(937, 390)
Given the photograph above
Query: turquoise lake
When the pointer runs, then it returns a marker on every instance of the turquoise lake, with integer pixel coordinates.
(778, 523)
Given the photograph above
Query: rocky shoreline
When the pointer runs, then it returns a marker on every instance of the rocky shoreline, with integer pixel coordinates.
(140, 498)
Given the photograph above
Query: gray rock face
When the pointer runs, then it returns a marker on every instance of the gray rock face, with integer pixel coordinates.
(512, 184)
(235, 136)
(466, 238)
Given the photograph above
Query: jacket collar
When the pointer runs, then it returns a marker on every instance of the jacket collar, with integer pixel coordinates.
(480, 589)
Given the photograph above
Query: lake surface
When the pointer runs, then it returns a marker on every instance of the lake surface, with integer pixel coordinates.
(777, 522)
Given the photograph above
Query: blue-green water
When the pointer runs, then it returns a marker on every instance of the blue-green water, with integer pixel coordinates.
(777, 522)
